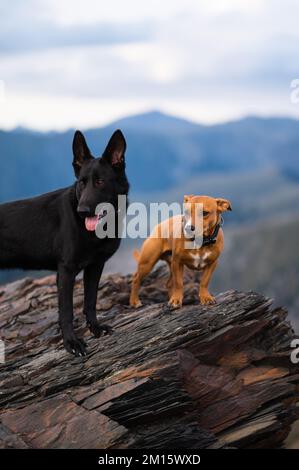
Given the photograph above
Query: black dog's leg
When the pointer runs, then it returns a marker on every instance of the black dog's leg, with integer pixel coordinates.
(92, 275)
(65, 284)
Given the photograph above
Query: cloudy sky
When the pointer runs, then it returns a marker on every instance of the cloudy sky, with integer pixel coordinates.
(74, 63)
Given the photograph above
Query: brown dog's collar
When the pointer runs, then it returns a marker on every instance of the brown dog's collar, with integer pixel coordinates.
(211, 239)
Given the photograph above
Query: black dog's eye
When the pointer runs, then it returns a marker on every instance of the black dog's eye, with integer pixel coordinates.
(99, 183)
(82, 184)
(205, 213)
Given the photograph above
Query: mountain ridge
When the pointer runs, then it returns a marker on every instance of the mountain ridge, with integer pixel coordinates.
(154, 115)
(175, 149)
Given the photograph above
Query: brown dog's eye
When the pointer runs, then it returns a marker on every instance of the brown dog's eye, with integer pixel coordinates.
(205, 213)
(99, 183)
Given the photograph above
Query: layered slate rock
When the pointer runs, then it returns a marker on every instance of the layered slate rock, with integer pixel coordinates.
(197, 377)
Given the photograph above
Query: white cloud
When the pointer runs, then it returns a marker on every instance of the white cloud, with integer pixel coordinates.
(205, 60)
(59, 112)
(89, 11)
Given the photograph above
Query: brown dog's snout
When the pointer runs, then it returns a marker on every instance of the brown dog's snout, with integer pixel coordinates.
(189, 228)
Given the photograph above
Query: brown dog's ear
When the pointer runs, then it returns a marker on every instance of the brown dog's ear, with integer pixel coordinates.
(223, 205)
(81, 152)
(187, 198)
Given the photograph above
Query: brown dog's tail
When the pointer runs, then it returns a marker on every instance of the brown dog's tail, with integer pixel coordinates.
(136, 255)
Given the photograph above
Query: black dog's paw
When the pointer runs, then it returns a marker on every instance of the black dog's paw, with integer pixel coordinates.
(98, 330)
(74, 345)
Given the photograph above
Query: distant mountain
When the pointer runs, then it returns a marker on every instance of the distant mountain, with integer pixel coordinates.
(155, 121)
(256, 195)
(163, 152)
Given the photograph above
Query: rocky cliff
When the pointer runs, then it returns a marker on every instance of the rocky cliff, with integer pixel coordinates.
(198, 377)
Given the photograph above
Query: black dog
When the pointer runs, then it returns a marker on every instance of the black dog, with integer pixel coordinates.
(56, 231)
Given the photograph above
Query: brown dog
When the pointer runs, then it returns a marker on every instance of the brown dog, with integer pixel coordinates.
(175, 241)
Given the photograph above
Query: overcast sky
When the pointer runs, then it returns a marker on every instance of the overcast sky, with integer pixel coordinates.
(70, 63)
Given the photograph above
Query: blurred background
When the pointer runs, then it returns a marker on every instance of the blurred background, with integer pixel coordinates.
(202, 91)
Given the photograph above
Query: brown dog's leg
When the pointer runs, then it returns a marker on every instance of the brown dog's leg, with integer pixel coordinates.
(205, 297)
(169, 280)
(142, 270)
(149, 255)
(169, 285)
(177, 273)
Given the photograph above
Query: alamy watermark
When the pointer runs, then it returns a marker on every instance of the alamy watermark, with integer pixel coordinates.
(294, 96)
(138, 220)
(295, 352)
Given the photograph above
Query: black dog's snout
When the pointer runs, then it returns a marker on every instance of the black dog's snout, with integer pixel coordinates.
(84, 211)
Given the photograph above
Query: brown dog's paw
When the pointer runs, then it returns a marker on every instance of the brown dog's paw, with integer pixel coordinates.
(207, 299)
(175, 302)
(135, 303)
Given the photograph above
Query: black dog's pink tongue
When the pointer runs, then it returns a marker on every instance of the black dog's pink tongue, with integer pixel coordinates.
(91, 222)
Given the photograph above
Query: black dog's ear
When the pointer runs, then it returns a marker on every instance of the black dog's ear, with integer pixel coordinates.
(115, 151)
(81, 152)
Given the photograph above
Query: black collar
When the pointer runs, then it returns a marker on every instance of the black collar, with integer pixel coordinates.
(211, 239)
